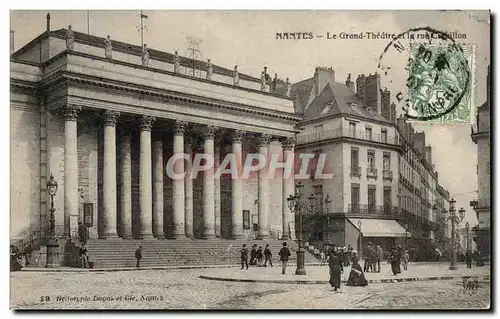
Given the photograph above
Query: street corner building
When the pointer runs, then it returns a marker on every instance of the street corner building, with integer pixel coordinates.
(386, 189)
(103, 117)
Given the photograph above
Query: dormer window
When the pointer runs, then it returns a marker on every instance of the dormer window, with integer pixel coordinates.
(352, 104)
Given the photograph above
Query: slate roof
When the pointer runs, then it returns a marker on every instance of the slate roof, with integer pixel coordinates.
(334, 100)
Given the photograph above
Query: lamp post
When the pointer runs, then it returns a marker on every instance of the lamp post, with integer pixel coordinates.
(407, 225)
(295, 205)
(454, 219)
(52, 245)
(467, 231)
(328, 204)
(360, 247)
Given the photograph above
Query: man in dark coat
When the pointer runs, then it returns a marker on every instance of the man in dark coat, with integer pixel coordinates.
(84, 256)
(336, 269)
(267, 256)
(82, 232)
(138, 256)
(259, 255)
(379, 255)
(244, 256)
(284, 253)
(253, 254)
(367, 255)
(395, 259)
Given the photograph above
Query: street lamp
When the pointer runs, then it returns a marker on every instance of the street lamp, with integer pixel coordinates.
(467, 231)
(407, 225)
(328, 205)
(52, 245)
(295, 205)
(454, 219)
(360, 248)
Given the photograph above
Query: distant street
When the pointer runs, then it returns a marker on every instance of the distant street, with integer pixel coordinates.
(182, 289)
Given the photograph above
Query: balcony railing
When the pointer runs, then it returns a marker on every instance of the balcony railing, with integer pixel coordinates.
(387, 174)
(303, 138)
(481, 203)
(371, 172)
(374, 210)
(356, 171)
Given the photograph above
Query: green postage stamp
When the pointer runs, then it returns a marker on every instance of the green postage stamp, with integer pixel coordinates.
(440, 83)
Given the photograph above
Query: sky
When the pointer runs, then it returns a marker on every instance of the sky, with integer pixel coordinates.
(248, 39)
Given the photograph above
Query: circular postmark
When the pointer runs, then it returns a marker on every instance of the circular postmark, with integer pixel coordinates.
(434, 69)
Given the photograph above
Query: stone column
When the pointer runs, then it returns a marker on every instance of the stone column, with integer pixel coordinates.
(217, 199)
(178, 184)
(208, 186)
(188, 213)
(288, 188)
(145, 180)
(263, 232)
(70, 166)
(109, 175)
(237, 188)
(158, 187)
(126, 187)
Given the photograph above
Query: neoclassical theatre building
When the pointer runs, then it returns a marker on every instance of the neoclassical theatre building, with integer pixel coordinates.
(103, 117)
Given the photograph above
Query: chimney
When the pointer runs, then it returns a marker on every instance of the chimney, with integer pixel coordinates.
(393, 112)
(386, 103)
(419, 142)
(48, 22)
(360, 87)
(11, 42)
(428, 154)
(372, 92)
(349, 83)
(323, 76)
(275, 80)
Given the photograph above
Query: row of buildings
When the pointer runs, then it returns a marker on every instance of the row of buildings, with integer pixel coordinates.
(385, 187)
(104, 125)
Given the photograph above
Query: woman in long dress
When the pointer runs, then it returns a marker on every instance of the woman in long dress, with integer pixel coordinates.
(356, 276)
(336, 269)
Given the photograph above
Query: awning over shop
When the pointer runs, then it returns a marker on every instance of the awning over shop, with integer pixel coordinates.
(379, 227)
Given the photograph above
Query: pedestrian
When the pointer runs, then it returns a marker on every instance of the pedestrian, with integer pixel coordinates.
(267, 256)
(372, 258)
(468, 258)
(406, 259)
(336, 269)
(244, 256)
(84, 256)
(260, 255)
(138, 256)
(354, 258)
(356, 276)
(15, 256)
(284, 253)
(322, 258)
(253, 255)
(82, 232)
(345, 257)
(366, 254)
(379, 256)
(395, 262)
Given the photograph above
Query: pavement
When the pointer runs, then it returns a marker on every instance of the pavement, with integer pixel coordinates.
(183, 289)
(320, 274)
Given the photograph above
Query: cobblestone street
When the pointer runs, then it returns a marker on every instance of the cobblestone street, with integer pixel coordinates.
(182, 289)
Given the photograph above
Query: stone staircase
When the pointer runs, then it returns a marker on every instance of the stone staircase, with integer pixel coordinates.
(120, 253)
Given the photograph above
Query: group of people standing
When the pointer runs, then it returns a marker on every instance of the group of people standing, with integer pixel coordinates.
(398, 257)
(258, 257)
(373, 255)
(336, 262)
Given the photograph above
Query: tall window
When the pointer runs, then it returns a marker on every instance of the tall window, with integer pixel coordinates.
(368, 133)
(355, 197)
(318, 196)
(371, 198)
(383, 136)
(371, 160)
(387, 199)
(352, 129)
(387, 161)
(318, 129)
(354, 157)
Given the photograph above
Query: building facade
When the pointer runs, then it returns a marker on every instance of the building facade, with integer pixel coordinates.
(481, 136)
(105, 117)
(384, 186)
